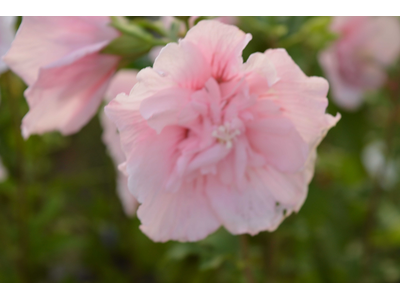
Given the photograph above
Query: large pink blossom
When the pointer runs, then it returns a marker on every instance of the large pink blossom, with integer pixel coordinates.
(356, 62)
(59, 59)
(122, 82)
(7, 33)
(211, 141)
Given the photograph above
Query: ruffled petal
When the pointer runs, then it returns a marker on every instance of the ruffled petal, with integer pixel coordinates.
(277, 140)
(260, 73)
(184, 216)
(249, 211)
(301, 98)
(122, 82)
(184, 63)
(163, 108)
(221, 45)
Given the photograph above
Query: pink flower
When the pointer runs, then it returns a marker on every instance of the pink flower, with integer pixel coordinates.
(211, 141)
(59, 59)
(7, 33)
(122, 82)
(356, 62)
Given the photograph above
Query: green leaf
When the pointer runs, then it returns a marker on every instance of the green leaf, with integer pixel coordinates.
(127, 46)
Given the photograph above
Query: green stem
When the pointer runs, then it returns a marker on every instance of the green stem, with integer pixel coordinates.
(244, 249)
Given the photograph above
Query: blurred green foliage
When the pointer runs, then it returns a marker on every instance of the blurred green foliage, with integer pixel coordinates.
(61, 220)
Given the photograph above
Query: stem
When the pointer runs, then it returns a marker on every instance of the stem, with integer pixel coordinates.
(244, 249)
(187, 24)
(376, 189)
(269, 254)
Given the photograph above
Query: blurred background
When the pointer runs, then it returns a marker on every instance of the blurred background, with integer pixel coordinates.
(61, 219)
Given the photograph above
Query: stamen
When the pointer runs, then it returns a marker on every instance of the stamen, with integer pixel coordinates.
(225, 135)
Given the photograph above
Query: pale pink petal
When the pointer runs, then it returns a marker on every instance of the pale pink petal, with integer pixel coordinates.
(122, 82)
(302, 99)
(222, 49)
(149, 155)
(163, 108)
(112, 140)
(7, 32)
(184, 63)
(278, 141)
(40, 41)
(249, 211)
(65, 96)
(260, 72)
(184, 216)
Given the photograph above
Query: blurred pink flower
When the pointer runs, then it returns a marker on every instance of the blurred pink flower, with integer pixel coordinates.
(211, 141)
(122, 82)
(7, 33)
(59, 59)
(356, 62)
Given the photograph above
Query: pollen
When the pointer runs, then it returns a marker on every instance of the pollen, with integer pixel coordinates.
(225, 134)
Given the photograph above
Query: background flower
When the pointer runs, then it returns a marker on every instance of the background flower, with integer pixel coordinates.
(59, 59)
(211, 141)
(357, 61)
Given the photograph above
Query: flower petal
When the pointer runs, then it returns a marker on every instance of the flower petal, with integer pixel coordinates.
(277, 140)
(184, 63)
(41, 41)
(249, 211)
(122, 82)
(222, 49)
(184, 216)
(67, 95)
(302, 99)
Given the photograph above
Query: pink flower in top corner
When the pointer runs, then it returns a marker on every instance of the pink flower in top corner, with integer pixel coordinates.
(356, 62)
(211, 141)
(59, 59)
(7, 33)
(122, 82)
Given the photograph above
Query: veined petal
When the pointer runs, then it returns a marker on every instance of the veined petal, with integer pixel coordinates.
(41, 41)
(65, 97)
(221, 45)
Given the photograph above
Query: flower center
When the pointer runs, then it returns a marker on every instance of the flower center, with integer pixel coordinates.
(225, 134)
